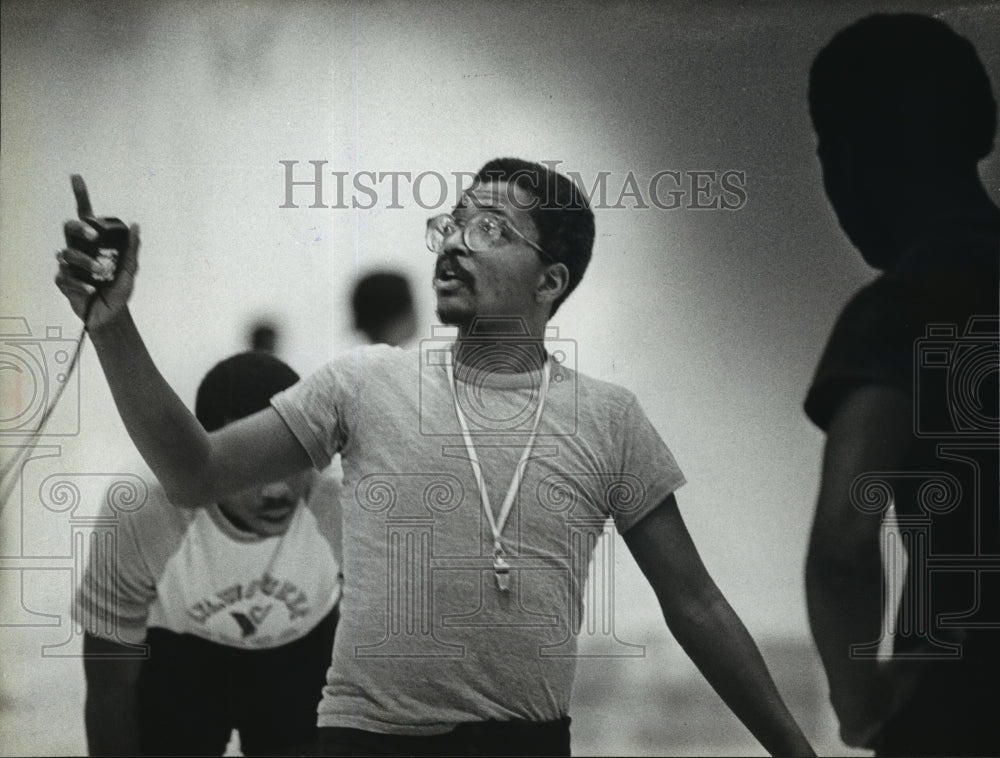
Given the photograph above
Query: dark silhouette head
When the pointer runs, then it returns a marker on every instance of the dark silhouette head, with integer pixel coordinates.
(897, 101)
(383, 308)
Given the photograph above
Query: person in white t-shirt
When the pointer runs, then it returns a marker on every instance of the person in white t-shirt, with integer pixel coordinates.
(236, 604)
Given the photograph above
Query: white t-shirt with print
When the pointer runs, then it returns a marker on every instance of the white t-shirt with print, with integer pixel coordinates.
(192, 571)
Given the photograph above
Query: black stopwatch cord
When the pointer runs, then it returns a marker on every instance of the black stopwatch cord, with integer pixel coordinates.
(23, 451)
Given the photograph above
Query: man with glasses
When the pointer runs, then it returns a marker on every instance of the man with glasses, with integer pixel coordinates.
(477, 477)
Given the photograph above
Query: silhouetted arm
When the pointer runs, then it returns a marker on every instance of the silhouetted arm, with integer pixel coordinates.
(709, 630)
(870, 431)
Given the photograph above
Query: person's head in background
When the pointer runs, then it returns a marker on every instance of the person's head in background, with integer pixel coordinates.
(237, 387)
(903, 112)
(264, 337)
(382, 304)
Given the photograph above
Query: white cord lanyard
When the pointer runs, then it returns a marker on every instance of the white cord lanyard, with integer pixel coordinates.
(501, 569)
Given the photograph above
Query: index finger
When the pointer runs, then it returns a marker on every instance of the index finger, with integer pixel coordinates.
(83, 209)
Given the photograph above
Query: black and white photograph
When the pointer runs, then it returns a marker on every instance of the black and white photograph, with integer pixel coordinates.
(583, 377)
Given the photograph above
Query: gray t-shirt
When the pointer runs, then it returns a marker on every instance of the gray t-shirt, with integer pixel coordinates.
(427, 640)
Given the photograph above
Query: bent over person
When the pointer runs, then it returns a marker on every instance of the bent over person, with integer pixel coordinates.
(477, 474)
(235, 603)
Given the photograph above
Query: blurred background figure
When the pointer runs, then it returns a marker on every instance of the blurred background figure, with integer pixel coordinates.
(907, 392)
(264, 336)
(382, 303)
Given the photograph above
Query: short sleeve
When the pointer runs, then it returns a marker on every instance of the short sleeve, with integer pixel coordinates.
(648, 472)
(315, 409)
(871, 344)
(324, 503)
(118, 587)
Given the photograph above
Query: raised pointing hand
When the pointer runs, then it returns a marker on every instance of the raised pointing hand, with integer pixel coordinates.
(76, 267)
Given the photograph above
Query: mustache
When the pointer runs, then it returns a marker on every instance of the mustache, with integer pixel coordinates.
(450, 266)
(277, 503)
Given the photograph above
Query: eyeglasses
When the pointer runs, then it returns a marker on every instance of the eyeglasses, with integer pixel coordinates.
(483, 231)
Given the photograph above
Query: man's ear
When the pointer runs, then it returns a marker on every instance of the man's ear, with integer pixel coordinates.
(552, 283)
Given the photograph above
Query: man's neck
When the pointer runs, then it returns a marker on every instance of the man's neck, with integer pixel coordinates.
(501, 345)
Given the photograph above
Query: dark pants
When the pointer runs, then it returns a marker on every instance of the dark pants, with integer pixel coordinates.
(474, 738)
(193, 693)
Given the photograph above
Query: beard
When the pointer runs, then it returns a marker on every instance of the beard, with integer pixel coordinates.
(454, 314)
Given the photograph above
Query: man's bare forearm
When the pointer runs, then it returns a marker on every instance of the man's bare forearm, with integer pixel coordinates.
(709, 630)
(164, 431)
(722, 649)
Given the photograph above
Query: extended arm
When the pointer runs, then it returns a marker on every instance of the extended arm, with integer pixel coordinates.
(194, 468)
(709, 630)
(111, 709)
(870, 431)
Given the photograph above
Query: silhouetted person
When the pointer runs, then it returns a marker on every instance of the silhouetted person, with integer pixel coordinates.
(906, 391)
(383, 308)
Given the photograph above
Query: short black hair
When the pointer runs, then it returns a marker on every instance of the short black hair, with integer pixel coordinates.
(561, 214)
(863, 76)
(378, 299)
(240, 386)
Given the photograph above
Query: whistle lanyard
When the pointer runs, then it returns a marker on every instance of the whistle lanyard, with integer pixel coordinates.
(501, 569)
